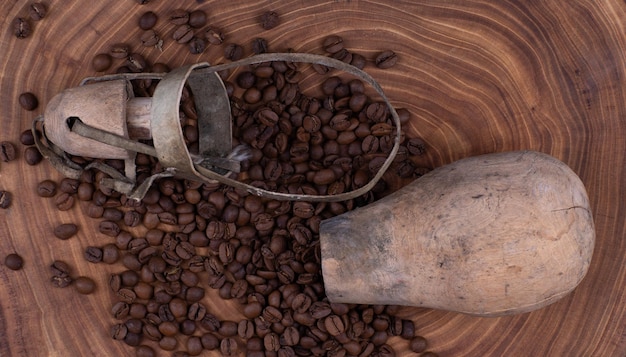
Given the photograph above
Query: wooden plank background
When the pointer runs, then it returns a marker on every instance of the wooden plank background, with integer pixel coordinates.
(477, 76)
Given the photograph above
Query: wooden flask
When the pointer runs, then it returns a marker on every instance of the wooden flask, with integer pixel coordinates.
(490, 235)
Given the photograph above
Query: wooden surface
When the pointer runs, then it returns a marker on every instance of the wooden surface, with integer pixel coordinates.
(477, 76)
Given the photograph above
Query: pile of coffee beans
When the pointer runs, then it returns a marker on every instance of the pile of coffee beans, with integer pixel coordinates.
(262, 253)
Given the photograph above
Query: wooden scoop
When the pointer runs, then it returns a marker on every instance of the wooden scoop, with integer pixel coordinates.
(490, 235)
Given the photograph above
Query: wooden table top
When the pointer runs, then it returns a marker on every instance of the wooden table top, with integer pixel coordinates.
(477, 76)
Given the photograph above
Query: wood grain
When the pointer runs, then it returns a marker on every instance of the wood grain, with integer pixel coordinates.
(477, 76)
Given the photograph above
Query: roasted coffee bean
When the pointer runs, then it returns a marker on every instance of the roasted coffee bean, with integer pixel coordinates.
(120, 310)
(65, 231)
(101, 62)
(136, 62)
(187, 327)
(183, 34)
(37, 11)
(47, 188)
(7, 151)
(214, 36)
(28, 101)
(197, 45)
(59, 268)
(126, 295)
(119, 50)
(119, 331)
(147, 20)
(64, 201)
(109, 228)
(197, 18)
(110, 254)
(145, 351)
(149, 38)
(386, 59)
(271, 341)
(27, 138)
(14, 261)
(358, 61)
(179, 17)
(228, 347)
(6, 198)
(21, 27)
(334, 325)
(93, 254)
(32, 156)
(61, 281)
(84, 285)
(228, 328)
(333, 44)
(233, 52)
(168, 343)
(269, 20)
(132, 339)
(259, 45)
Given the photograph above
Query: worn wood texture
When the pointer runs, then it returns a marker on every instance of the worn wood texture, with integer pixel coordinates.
(477, 76)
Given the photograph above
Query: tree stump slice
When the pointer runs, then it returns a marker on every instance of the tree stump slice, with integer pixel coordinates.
(477, 76)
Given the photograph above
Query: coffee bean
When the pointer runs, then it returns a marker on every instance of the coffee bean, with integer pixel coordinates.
(147, 20)
(32, 156)
(228, 347)
(214, 36)
(333, 44)
(93, 254)
(119, 50)
(37, 11)
(47, 188)
(84, 285)
(65, 231)
(179, 17)
(28, 101)
(259, 45)
(149, 38)
(64, 201)
(269, 20)
(233, 52)
(386, 59)
(109, 228)
(358, 61)
(21, 27)
(7, 151)
(101, 62)
(197, 18)
(197, 45)
(14, 261)
(183, 34)
(6, 198)
(136, 62)
(145, 351)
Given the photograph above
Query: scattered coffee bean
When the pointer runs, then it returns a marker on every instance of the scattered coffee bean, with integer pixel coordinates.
(28, 101)
(197, 45)
(147, 20)
(179, 17)
(32, 156)
(27, 138)
(93, 254)
(84, 285)
(7, 151)
(64, 201)
(183, 34)
(150, 38)
(233, 52)
(6, 198)
(386, 59)
(37, 11)
(269, 20)
(101, 62)
(47, 188)
(21, 27)
(333, 44)
(65, 231)
(14, 261)
(197, 19)
(418, 344)
(259, 45)
(119, 50)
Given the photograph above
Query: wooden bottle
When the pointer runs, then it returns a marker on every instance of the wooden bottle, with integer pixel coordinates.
(490, 235)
